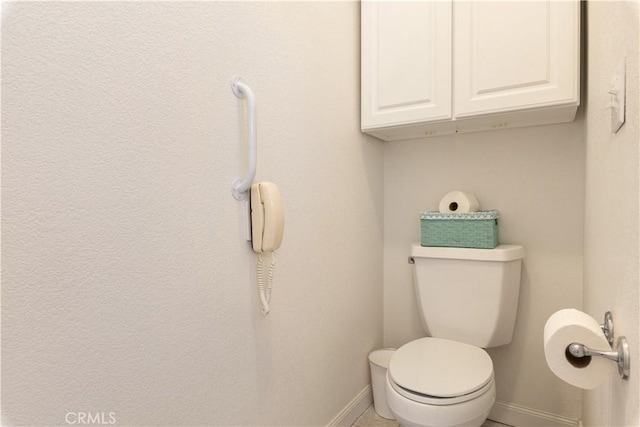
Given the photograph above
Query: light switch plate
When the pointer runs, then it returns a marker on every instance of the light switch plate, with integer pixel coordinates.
(617, 92)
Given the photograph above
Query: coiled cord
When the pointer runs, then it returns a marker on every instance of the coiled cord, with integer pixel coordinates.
(265, 291)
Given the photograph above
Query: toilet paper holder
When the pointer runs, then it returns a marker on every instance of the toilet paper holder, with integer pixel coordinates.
(622, 355)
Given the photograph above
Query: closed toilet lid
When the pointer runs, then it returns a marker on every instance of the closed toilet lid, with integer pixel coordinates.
(440, 368)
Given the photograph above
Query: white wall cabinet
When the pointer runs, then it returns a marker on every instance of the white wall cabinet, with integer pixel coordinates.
(406, 62)
(438, 67)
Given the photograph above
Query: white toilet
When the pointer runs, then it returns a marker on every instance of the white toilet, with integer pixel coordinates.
(468, 300)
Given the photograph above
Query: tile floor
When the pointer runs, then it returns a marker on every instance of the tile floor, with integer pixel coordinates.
(369, 418)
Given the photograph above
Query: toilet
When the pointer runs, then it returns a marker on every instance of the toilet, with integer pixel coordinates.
(467, 299)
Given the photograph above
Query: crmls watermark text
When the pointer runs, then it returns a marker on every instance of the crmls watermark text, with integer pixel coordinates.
(90, 418)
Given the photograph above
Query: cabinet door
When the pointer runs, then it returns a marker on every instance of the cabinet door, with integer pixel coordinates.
(406, 62)
(513, 55)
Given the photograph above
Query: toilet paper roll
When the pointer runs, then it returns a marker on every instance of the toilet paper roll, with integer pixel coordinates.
(562, 329)
(459, 202)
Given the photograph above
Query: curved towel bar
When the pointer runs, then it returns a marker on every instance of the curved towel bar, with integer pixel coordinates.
(241, 186)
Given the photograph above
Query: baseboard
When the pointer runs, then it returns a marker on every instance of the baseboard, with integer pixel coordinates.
(519, 416)
(354, 409)
(502, 412)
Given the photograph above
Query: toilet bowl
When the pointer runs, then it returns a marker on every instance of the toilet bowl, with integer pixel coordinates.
(434, 382)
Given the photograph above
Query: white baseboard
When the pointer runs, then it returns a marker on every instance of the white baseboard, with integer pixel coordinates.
(354, 409)
(519, 416)
(502, 412)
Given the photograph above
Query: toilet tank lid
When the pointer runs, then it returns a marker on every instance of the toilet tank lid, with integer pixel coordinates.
(499, 253)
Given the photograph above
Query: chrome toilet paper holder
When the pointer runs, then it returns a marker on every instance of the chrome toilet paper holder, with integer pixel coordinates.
(622, 355)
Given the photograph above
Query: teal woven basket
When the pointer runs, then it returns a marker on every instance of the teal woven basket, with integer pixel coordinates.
(460, 230)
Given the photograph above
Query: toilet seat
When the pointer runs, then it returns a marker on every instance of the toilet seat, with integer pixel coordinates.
(437, 371)
(441, 401)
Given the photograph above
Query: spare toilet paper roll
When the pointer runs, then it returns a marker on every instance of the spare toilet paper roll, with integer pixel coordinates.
(562, 329)
(459, 202)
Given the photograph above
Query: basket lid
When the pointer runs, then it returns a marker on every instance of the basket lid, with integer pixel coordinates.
(480, 215)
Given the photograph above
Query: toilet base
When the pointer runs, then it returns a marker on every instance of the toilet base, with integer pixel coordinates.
(471, 413)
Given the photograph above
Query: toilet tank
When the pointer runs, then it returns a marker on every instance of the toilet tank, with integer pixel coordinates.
(468, 295)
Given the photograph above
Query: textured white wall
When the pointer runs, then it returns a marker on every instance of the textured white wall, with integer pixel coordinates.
(535, 178)
(612, 240)
(127, 286)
